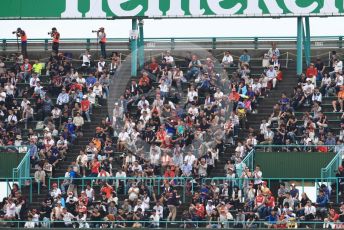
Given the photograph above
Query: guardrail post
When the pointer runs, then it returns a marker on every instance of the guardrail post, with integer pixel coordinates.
(46, 42)
(173, 45)
(4, 44)
(88, 43)
(214, 43)
(340, 42)
(256, 43)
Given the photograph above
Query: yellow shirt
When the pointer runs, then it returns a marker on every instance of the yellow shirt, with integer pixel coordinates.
(37, 68)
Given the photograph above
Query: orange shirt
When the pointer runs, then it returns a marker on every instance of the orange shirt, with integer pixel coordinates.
(341, 95)
(107, 190)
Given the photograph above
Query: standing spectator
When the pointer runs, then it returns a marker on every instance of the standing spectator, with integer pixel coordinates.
(56, 40)
(102, 41)
(23, 39)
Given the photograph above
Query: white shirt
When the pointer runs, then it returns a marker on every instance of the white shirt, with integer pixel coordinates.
(67, 218)
(101, 66)
(310, 210)
(190, 159)
(169, 59)
(141, 102)
(86, 58)
(258, 177)
(191, 95)
(227, 59)
(271, 73)
(159, 210)
(55, 192)
(10, 209)
(2, 96)
(338, 67)
(339, 80)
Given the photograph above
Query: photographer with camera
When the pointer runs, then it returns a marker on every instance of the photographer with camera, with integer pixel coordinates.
(101, 35)
(23, 38)
(56, 39)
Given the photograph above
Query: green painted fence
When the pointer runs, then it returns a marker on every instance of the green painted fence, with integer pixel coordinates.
(10, 158)
(292, 164)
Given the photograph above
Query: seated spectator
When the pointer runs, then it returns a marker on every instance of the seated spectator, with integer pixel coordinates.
(227, 60)
(244, 58)
(339, 101)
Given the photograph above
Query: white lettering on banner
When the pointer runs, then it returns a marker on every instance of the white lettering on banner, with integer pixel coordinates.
(214, 5)
(115, 7)
(71, 10)
(253, 7)
(153, 8)
(329, 7)
(195, 7)
(175, 8)
(294, 8)
(96, 10)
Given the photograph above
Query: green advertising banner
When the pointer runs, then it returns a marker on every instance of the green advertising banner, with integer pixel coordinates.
(108, 9)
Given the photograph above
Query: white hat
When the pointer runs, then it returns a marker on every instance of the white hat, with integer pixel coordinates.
(84, 97)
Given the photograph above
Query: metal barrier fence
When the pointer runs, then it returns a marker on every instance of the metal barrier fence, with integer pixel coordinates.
(178, 43)
(200, 224)
(27, 182)
(273, 183)
(151, 182)
(23, 169)
(249, 159)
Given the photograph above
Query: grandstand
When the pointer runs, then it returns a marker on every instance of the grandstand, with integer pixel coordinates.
(221, 147)
(211, 132)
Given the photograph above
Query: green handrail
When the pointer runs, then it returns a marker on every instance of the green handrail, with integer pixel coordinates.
(332, 167)
(23, 169)
(150, 181)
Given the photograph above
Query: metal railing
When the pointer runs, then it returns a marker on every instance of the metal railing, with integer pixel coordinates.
(178, 43)
(150, 182)
(25, 182)
(249, 159)
(273, 183)
(332, 168)
(189, 223)
(23, 169)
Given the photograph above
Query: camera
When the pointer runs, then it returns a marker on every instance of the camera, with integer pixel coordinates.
(49, 33)
(14, 32)
(95, 31)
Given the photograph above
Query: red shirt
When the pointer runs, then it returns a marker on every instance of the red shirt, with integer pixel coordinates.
(107, 190)
(270, 202)
(95, 167)
(169, 174)
(259, 200)
(153, 66)
(85, 105)
(200, 210)
(26, 67)
(311, 72)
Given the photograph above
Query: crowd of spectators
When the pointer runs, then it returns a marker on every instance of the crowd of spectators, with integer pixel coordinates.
(175, 120)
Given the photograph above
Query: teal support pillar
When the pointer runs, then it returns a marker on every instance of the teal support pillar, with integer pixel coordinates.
(141, 44)
(133, 46)
(308, 41)
(299, 60)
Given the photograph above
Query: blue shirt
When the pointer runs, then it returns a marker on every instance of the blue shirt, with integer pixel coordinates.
(245, 58)
(33, 150)
(71, 128)
(272, 219)
(322, 201)
(91, 81)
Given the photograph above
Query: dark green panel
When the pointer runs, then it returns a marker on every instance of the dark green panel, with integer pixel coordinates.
(8, 161)
(292, 164)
